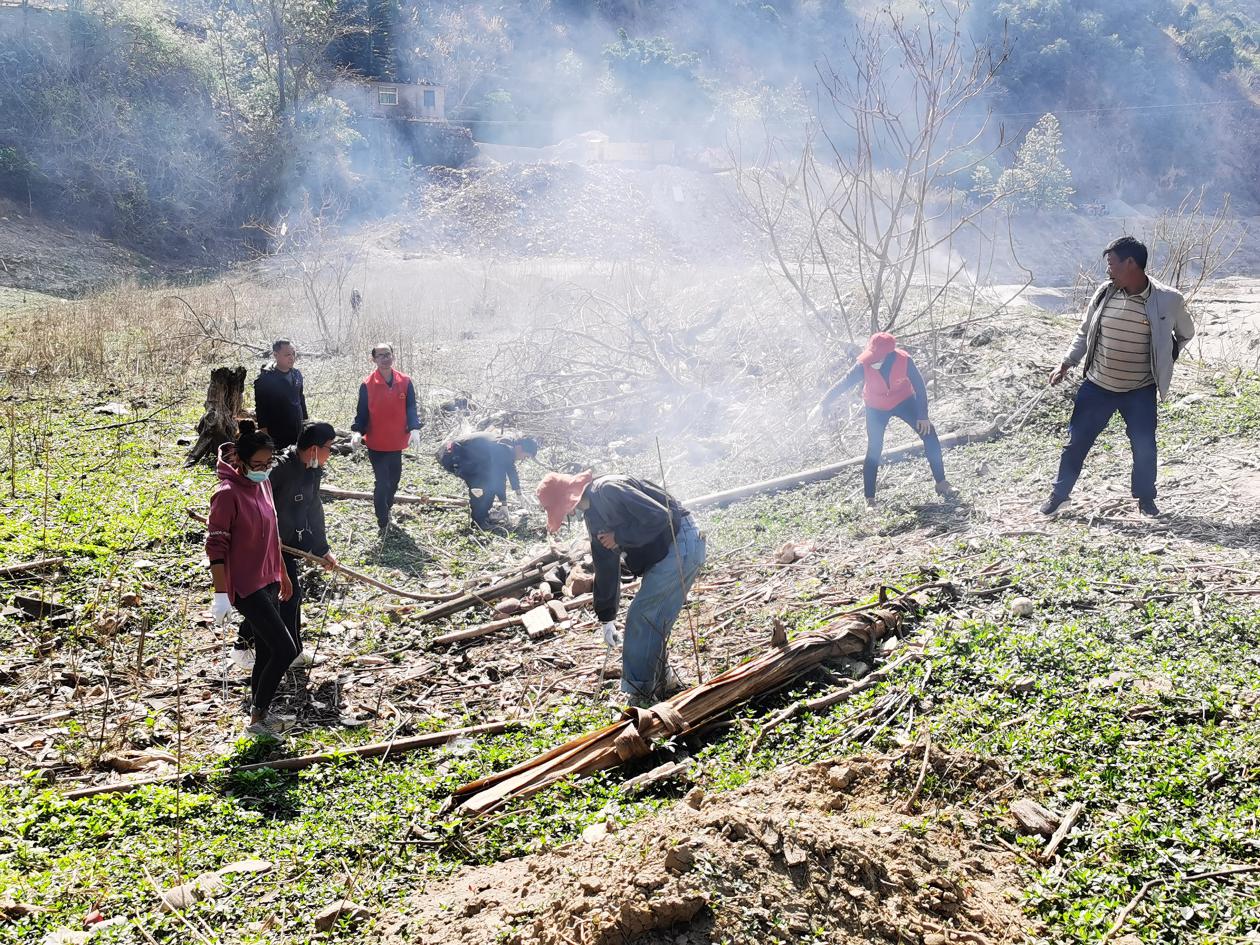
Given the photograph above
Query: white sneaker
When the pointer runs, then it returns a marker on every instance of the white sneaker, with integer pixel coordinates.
(304, 659)
(243, 658)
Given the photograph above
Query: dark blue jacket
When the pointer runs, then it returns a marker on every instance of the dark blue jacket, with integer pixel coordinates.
(643, 518)
(280, 404)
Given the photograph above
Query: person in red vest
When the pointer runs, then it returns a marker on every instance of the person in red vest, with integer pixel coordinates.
(386, 420)
(891, 387)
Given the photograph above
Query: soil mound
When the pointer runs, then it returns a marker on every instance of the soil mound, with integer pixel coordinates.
(817, 854)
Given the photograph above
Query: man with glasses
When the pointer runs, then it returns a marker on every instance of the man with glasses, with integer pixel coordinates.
(279, 398)
(386, 420)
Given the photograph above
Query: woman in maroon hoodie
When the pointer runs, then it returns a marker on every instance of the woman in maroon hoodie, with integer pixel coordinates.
(243, 545)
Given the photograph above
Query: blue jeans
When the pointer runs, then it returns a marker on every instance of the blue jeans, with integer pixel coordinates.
(644, 658)
(877, 423)
(1095, 406)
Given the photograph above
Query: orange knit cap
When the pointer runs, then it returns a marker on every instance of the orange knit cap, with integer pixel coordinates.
(879, 347)
(559, 493)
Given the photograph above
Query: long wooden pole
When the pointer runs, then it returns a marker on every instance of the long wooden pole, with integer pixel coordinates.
(342, 569)
(822, 473)
(374, 750)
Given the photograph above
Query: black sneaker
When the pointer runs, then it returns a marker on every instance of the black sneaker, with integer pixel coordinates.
(1052, 505)
(1148, 508)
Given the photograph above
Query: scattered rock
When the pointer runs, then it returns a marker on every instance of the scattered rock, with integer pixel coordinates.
(580, 582)
(538, 622)
(508, 606)
(558, 611)
(112, 409)
(694, 798)
(1022, 606)
(178, 898)
(840, 777)
(242, 867)
(792, 551)
(595, 832)
(351, 912)
(1034, 818)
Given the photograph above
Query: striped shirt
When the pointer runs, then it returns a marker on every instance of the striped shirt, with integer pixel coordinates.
(1122, 355)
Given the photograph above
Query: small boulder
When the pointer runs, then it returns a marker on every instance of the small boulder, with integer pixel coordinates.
(351, 912)
(1021, 606)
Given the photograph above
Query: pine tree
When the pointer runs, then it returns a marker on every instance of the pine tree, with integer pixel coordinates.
(1039, 179)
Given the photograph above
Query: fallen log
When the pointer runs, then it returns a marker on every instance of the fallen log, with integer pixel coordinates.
(355, 575)
(631, 737)
(376, 749)
(11, 569)
(402, 498)
(822, 473)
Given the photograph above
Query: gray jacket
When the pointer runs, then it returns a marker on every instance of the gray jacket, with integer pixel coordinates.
(1170, 323)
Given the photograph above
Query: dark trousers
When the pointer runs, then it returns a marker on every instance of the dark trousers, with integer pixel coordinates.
(877, 423)
(290, 610)
(387, 469)
(1094, 408)
(274, 646)
(492, 487)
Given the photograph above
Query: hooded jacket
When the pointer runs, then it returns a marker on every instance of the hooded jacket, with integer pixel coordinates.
(643, 518)
(1170, 323)
(280, 404)
(299, 507)
(241, 533)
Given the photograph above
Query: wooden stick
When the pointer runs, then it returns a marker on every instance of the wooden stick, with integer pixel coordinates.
(538, 568)
(306, 761)
(471, 633)
(1064, 828)
(1152, 883)
(11, 569)
(342, 569)
(908, 806)
(823, 473)
(436, 501)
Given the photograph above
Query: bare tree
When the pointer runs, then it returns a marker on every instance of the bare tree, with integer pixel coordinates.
(862, 214)
(316, 262)
(1191, 244)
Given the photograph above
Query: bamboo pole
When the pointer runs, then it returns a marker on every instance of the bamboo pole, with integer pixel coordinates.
(398, 746)
(10, 569)
(536, 569)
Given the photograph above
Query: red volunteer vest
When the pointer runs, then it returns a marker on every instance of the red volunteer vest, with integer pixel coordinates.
(885, 395)
(387, 412)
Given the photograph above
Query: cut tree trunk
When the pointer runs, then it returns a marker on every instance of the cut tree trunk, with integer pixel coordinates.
(687, 711)
(217, 425)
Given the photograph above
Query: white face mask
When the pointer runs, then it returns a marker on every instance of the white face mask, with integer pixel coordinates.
(313, 462)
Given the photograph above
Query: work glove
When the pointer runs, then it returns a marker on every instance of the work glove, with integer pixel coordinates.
(609, 634)
(220, 608)
(413, 441)
(356, 441)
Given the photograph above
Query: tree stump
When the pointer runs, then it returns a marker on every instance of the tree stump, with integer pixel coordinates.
(218, 424)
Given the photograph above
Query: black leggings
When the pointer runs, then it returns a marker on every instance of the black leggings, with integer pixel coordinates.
(290, 610)
(877, 423)
(274, 646)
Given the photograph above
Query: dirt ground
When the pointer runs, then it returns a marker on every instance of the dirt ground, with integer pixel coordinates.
(823, 854)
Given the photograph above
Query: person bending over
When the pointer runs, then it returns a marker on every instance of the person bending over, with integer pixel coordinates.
(487, 464)
(659, 541)
(891, 387)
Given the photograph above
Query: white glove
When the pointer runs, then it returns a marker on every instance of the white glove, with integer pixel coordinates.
(814, 414)
(356, 441)
(220, 608)
(413, 441)
(609, 634)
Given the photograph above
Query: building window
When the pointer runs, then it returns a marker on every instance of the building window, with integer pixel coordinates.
(430, 98)
(386, 96)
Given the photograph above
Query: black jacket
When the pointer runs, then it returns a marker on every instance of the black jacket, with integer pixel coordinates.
(481, 460)
(280, 403)
(299, 507)
(643, 518)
